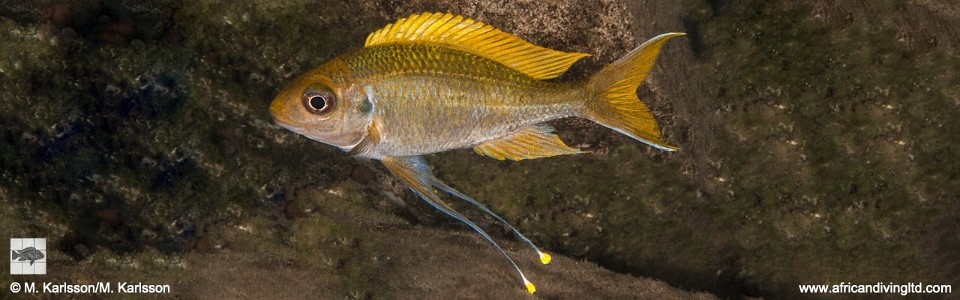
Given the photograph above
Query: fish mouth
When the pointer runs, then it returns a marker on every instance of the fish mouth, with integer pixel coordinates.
(285, 123)
(298, 130)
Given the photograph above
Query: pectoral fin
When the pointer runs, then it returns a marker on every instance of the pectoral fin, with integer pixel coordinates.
(532, 142)
(368, 143)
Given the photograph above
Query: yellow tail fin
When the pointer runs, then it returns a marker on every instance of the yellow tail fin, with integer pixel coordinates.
(616, 105)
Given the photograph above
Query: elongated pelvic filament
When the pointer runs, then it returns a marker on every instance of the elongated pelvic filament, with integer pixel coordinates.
(544, 257)
(446, 210)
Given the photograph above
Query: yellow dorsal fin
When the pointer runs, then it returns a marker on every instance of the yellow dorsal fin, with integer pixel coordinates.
(477, 38)
(531, 142)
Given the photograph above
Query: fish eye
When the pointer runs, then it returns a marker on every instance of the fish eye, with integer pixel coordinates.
(319, 101)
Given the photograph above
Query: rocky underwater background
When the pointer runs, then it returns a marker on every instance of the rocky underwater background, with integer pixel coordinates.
(819, 145)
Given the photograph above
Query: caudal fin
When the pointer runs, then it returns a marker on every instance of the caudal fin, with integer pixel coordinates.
(14, 255)
(615, 103)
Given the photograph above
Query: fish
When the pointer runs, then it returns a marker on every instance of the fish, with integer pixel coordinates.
(434, 82)
(28, 253)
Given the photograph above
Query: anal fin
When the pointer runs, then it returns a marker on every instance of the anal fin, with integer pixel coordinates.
(532, 142)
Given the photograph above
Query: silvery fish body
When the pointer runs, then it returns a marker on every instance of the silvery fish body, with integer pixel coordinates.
(434, 82)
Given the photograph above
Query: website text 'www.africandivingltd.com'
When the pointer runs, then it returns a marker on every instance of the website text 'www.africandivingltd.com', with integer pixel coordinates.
(876, 288)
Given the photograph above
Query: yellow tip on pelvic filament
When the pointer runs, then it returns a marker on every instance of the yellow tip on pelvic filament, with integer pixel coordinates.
(530, 288)
(544, 258)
